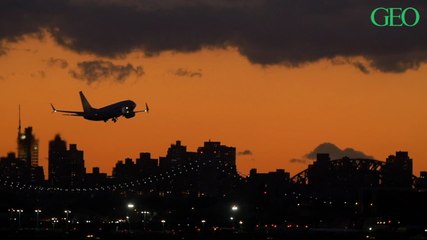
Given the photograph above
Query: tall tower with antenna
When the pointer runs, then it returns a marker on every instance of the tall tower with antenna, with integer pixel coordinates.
(21, 137)
(28, 145)
(19, 115)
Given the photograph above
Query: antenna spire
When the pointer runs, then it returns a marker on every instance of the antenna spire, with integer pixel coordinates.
(19, 114)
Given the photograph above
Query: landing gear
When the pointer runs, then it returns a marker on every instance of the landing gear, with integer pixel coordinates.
(112, 119)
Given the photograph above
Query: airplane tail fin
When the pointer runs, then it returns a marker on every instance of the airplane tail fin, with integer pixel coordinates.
(85, 103)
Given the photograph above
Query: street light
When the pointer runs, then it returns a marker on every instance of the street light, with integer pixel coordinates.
(66, 213)
(54, 220)
(163, 225)
(19, 217)
(37, 211)
(130, 207)
(234, 208)
(144, 213)
(240, 225)
(11, 218)
(203, 223)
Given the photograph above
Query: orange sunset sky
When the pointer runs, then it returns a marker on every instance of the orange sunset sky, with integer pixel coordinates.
(276, 111)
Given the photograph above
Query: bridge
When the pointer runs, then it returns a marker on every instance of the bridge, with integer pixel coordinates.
(190, 168)
(357, 165)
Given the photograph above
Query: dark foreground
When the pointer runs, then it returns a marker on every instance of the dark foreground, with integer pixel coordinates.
(310, 234)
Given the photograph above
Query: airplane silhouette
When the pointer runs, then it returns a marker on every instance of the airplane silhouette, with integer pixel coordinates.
(113, 111)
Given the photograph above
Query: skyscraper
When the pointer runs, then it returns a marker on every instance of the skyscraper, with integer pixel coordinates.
(14, 169)
(57, 162)
(210, 181)
(66, 167)
(28, 147)
(146, 165)
(28, 152)
(176, 156)
(125, 171)
(216, 152)
(397, 172)
(76, 170)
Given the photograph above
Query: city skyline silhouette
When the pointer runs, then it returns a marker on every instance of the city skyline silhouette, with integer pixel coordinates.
(268, 119)
(354, 198)
(27, 137)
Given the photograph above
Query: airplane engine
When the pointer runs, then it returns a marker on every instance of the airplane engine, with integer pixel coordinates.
(130, 114)
(127, 112)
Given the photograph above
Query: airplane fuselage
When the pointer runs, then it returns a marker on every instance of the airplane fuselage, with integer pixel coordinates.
(113, 111)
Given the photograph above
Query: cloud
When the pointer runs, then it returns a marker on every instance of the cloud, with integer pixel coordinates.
(357, 64)
(3, 50)
(245, 152)
(361, 67)
(1, 78)
(335, 152)
(38, 74)
(57, 62)
(92, 71)
(267, 32)
(182, 72)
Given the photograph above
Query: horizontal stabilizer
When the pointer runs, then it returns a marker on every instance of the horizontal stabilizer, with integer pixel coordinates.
(147, 109)
(53, 108)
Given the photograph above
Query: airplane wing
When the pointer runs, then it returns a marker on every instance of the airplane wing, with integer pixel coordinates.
(67, 113)
(145, 110)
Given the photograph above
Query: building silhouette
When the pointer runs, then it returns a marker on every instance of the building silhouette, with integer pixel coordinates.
(343, 178)
(176, 156)
(146, 165)
(267, 192)
(125, 171)
(28, 151)
(66, 167)
(212, 182)
(187, 187)
(14, 169)
(96, 178)
(77, 170)
(214, 151)
(271, 183)
(28, 147)
(397, 171)
(56, 158)
(24, 166)
(421, 183)
(207, 181)
(351, 175)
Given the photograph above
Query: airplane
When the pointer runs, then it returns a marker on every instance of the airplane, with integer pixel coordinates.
(113, 111)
